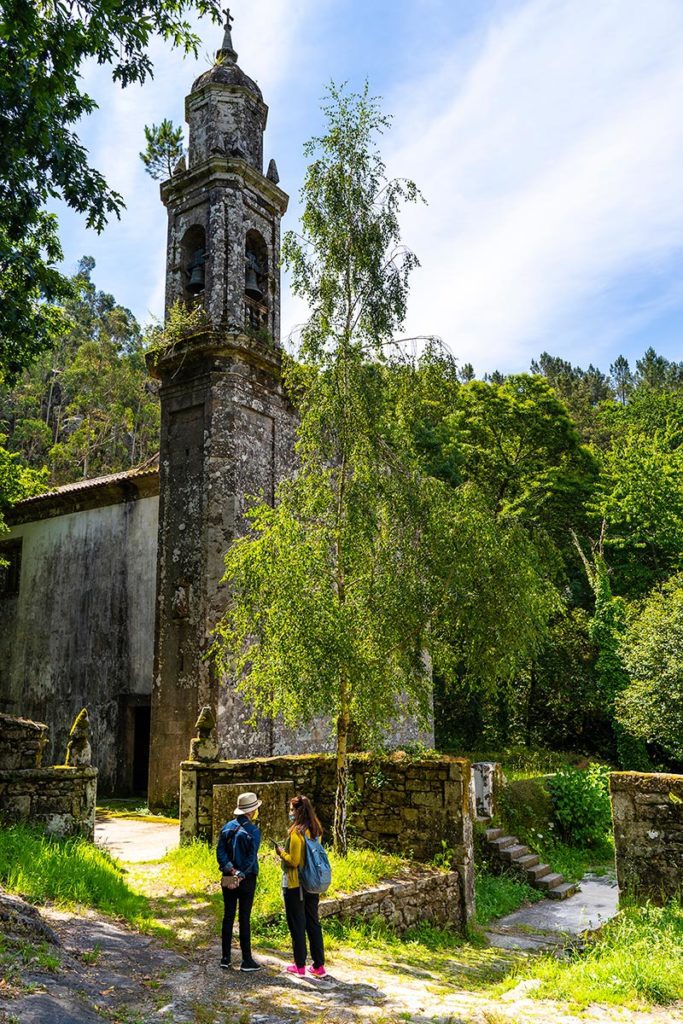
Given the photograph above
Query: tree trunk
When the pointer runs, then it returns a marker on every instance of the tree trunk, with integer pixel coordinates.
(339, 828)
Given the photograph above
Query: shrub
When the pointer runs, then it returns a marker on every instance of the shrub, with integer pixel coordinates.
(581, 803)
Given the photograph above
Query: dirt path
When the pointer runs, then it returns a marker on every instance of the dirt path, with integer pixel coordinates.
(134, 840)
(110, 973)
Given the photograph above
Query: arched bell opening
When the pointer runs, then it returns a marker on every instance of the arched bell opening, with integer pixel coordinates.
(255, 282)
(193, 262)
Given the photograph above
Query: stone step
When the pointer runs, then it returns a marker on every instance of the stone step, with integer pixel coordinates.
(493, 833)
(513, 853)
(550, 881)
(538, 871)
(527, 861)
(563, 891)
(503, 841)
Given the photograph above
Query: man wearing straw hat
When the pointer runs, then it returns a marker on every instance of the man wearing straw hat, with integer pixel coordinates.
(237, 854)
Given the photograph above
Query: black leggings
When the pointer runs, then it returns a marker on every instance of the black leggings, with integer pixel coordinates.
(242, 896)
(302, 920)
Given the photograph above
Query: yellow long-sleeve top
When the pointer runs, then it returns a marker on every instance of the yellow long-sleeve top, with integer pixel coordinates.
(293, 857)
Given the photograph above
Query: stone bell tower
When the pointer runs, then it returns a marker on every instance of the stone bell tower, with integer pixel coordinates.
(227, 430)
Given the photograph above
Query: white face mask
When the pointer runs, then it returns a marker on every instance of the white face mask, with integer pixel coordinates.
(292, 816)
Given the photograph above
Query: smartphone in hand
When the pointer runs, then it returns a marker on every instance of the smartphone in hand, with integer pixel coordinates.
(276, 847)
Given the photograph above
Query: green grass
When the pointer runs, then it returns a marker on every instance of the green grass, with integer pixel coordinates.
(520, 762)
(18, 953)
(193, 869)
(67, 872)
(636, 959)
(497, 895)
(131, 807)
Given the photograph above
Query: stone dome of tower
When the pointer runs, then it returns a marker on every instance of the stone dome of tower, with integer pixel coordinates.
(226, 70)
(227, 73)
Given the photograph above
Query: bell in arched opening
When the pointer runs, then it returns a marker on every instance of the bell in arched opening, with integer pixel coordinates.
(195, 271)
(251, 282)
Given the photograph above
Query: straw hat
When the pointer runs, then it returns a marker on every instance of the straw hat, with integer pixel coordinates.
(247, 802)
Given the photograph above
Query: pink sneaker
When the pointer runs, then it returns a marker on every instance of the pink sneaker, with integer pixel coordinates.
(293, 969)
(317, 972)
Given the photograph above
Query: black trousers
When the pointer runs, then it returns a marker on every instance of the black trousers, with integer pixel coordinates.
(242, 897)
(303, 920)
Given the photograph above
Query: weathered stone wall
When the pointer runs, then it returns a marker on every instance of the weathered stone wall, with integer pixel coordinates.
(436, 898)
(647, 810)
(396, 804)
(21, 742)
(62, 799)
(80, 631)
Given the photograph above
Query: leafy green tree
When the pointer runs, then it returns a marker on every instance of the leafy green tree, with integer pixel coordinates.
(328, 612)
(17, 481)
(651, 705)
(365, 562)
(42, 53)
(607, 628)
(582, 391)
(640, 490)
(87, 406)
(518, 443)
(164, 149)
(655, 372)
(622, 378)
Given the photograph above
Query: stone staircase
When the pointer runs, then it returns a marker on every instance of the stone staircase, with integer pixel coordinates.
(520, 858)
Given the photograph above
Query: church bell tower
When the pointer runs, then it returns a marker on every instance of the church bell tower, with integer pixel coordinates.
(227, 430)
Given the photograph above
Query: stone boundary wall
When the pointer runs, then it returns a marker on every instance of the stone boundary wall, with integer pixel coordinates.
(647, 811)
(21, 742)
(395, 803)
(434, 897)
(61, 798)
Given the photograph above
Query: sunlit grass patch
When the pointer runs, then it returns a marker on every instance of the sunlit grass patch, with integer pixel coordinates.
(497, 895)
(132, 808)
(442, 953)
(67, 872)
(636, 959)
(185, 894)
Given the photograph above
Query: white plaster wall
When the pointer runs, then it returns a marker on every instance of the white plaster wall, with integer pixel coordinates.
(81, 631)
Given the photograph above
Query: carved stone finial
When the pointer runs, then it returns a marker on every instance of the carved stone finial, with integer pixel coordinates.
(203, 747)
(227, 51)
(78, 750)
(272, 174)
(206, 722)
(180, 166)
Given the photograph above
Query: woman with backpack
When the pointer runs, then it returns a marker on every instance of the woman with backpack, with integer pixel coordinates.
(301, 907)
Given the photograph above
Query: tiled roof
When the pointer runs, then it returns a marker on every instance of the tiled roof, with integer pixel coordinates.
(139, 482)
(147, 469)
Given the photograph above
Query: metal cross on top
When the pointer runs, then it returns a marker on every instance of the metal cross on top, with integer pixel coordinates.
(228, 19)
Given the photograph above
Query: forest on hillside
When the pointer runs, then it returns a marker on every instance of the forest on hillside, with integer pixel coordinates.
(585, 465)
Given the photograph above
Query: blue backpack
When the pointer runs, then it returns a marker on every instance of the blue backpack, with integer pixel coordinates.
(316, 874)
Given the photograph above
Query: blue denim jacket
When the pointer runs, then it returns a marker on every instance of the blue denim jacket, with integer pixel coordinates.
(245, 846)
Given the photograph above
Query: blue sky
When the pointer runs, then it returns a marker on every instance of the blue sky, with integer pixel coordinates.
(546, 136)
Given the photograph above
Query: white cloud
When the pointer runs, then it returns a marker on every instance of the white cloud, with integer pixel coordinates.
(547, 140)
(552, 167)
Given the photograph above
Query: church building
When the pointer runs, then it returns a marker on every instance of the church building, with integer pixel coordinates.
(114, 583)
